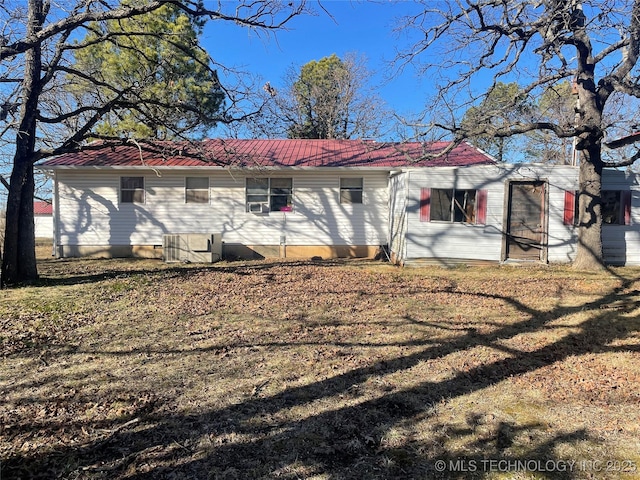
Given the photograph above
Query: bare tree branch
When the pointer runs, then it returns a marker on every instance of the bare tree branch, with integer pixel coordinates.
(470, 46)
(50, 106)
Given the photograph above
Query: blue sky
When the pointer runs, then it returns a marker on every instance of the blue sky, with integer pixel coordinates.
(364, 28)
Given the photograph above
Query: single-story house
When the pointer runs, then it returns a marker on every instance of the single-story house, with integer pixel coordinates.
(43, 219)
(328, 198)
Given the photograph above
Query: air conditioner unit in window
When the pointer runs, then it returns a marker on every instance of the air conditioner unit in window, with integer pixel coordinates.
(192, 247)
(258, 208)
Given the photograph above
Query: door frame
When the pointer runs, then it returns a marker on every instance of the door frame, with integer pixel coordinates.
(544, 237)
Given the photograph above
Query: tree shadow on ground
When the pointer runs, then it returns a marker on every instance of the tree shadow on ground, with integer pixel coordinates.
(133, 267)
(252, 439)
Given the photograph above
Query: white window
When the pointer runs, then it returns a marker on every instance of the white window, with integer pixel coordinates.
(269, 195)
(351, 190)
(196, 190)
(132, 189)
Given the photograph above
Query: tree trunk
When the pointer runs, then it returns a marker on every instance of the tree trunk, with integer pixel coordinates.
(19, 258)
(590, 255)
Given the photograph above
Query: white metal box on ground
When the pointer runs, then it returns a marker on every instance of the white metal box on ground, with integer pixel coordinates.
(192, 247)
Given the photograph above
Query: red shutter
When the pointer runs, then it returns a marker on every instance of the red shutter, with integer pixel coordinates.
(569, 207)
(625, 200)
(425, 204)
(481, 207)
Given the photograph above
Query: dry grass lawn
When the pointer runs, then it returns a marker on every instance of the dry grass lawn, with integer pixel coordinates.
(129, 369)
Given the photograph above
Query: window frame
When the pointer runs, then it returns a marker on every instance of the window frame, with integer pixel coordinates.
(621, 208)
(622, 215)
(272, 196)
(458, 204)
(345, 196)
(425, 206)
(132, 191)
(194, 198)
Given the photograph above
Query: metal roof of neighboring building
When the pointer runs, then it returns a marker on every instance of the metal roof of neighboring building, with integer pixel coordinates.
(42, 208)
(275, 153)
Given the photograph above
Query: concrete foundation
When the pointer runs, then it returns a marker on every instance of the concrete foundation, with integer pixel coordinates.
(230, 251)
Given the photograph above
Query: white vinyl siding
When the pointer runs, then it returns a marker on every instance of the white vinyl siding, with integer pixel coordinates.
(463, 241)
(43, 226)
(90, 212)
(621, 243)
(398, 215)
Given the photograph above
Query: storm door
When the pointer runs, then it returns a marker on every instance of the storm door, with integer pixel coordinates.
(526, 222)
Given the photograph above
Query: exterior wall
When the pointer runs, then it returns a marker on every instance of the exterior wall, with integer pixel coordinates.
(43, 226)
(446, 241)
(92, 219)
(621, 243)
(398, 216)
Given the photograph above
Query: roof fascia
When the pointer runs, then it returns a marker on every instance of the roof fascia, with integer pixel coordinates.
(208, 167)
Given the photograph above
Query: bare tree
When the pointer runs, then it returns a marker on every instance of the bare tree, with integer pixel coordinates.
(40, 119)
(539, 44)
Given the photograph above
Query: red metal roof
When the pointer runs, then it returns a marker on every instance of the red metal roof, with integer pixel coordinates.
(42, 208)
(277, 153)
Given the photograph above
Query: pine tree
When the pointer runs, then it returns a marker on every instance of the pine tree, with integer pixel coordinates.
(155, 68)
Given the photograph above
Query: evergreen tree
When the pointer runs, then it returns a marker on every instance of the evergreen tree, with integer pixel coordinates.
(557, 104)
(154, 65)
(322, 94)
(142, 75)
(328, 98)
(502, 106)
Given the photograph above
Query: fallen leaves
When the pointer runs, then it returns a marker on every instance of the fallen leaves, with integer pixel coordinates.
(344, 369)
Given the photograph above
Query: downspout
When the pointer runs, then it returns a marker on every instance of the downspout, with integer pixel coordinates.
(283, 237)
